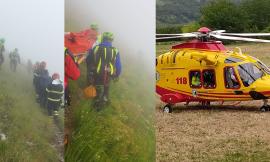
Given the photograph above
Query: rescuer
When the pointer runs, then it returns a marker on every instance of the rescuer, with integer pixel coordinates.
(103, 64)
(36, 78)
(55, 92)
(196, 81)
(14, 59)
(72, 71)
(96, 36)
(2, 50)
(29, 66)
(43, 81)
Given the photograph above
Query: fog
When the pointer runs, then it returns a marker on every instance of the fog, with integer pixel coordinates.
(132, 22)
(36, 28)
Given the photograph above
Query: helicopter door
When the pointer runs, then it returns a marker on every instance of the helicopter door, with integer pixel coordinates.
(230, 78)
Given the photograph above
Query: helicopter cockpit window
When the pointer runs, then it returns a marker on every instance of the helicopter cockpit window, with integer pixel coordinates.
(232, 60)
(195, 79)
(249, 73)
(263, 67)
(209, 79)
(230, 77)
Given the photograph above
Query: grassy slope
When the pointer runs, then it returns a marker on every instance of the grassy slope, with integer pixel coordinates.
(29, 131)
(222, 133)
(121, 132)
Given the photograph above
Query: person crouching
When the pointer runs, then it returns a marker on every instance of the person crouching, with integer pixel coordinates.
(55, 92)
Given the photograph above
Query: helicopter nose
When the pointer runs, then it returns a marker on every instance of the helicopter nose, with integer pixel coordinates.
(261, 90)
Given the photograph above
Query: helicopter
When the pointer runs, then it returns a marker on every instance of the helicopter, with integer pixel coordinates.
(202, 70)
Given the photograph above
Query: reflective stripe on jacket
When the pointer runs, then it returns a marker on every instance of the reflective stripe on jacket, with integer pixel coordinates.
(55, 92)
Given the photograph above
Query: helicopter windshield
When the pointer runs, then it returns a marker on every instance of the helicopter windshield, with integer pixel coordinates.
(263, 67)
(249, 73)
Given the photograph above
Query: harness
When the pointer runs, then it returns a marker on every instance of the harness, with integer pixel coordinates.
(104, 58)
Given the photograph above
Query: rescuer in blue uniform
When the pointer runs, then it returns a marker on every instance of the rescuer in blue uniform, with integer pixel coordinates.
(55, 91)
(103, 64)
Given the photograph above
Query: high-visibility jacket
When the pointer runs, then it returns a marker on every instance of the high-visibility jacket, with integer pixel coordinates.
(98, 41)
(55, 92)
(195, 81)
(104, 57)
(72, 70)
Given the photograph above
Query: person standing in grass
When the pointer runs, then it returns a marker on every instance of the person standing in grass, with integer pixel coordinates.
(72, 72)
(43, 81)
(2, 50)
(103, 64)
(14, 59)
(55, 92)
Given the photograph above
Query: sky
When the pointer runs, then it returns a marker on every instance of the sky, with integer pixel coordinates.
(131, 21)
(36, 28)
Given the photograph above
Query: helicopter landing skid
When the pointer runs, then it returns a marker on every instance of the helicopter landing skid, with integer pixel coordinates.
(265, 106)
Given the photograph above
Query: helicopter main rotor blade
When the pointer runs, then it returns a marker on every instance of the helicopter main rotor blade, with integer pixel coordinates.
(161, 38)
(182, 34)
(240, 38)
(246, 34)
(218, 31)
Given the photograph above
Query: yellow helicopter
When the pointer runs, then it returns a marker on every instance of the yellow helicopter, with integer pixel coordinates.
(202, 70)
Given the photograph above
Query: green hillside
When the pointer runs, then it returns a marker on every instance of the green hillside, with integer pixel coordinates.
(30, 133)
(172, 12)
(123, 131)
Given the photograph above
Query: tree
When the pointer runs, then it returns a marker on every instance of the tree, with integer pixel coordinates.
(258, 13)
(169, 29)
(224, 14)
(190, 27)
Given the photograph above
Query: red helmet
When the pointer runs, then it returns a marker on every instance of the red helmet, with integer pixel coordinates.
(55, 76)
(43, 64)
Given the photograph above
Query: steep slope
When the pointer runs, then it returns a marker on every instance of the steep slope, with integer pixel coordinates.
(30, 133)
(124, 130)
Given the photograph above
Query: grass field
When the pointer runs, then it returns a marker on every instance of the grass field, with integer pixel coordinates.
(220, 133)
(30, 132)
(122, 131)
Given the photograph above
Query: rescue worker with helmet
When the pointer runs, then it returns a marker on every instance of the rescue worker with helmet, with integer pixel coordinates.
(2, 50)
(55, 92)
(72, 71)
(36, 79)
(14, 59)
(96, 36)
(196, 80)
(43, 81)
(103, 64)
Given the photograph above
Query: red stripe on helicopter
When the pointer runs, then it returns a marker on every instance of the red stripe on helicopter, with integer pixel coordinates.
(188, 95)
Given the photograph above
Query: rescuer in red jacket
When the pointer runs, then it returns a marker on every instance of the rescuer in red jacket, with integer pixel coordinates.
(72, 71)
